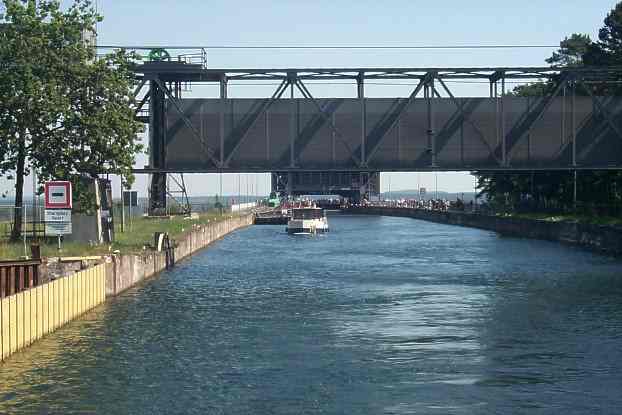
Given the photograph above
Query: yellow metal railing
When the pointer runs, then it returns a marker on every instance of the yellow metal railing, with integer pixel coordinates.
(31, 314)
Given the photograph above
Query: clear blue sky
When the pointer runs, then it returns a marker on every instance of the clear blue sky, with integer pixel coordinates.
(341, 22)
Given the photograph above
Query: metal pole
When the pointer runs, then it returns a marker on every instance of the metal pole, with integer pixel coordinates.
(563, 117)
(361, 97)
(496, 98)
(574, 140)
(574, 196)
(436, 185)
(503, 145)
(573, 121)
(23, 228)
(220, 197)
(293, 127)
(431, 132)
(222, 115)
(474, 193)
(122, 207)
(34, 202)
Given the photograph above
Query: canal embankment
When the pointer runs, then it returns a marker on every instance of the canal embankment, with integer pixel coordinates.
(28, 314)
(601, 238)
(125, 271)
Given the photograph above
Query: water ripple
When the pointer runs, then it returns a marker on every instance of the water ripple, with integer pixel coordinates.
(381, 316)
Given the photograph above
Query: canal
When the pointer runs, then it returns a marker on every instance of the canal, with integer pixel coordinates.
(381, 316)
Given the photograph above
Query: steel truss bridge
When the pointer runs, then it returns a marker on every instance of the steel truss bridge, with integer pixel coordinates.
(339, 145)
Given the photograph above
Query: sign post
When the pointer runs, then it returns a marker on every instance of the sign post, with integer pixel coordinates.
(130, 199)
(58, 204)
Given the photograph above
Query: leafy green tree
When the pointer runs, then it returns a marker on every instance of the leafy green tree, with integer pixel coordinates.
(571, 51)
(608, 49)
(63, 112)
(549, 190)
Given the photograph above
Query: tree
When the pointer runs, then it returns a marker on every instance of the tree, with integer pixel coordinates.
(571, 51)
(99, 132)
(608, 49)
(64, 113)
(539, 190)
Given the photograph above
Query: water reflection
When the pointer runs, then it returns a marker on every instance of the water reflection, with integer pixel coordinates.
(383, 315)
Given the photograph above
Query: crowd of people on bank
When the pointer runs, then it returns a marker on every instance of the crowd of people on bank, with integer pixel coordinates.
(441, 205)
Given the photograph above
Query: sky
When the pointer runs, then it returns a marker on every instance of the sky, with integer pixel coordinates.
(346, 22)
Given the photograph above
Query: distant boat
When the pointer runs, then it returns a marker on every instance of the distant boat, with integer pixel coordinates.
(307, 220)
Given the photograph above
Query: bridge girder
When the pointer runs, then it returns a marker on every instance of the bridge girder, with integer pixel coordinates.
(224, 145)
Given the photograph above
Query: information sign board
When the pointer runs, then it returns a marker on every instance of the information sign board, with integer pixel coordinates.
(58, 195)
(57, 222)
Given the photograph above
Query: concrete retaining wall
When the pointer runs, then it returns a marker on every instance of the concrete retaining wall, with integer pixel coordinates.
(606, 239)
(125, 271)
(31, 314)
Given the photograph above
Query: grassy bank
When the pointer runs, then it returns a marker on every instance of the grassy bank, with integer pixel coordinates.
(131, 241)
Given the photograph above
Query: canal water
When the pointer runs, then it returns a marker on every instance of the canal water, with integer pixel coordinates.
(381, 316)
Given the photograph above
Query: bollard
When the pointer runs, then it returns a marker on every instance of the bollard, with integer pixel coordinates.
(35, 251)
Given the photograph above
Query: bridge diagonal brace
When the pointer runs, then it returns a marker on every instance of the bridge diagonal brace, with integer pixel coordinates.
(138, 88)
(305, 137)
(208, 151)
(142, 102)
(305, 92)
(241, 131)
(381, 135)
(529, 119)
(467, 118)
(603, 110)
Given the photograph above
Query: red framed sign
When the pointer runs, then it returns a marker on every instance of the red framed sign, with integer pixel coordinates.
(58, 195)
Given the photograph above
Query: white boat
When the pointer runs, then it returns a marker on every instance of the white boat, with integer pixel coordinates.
(307, 220)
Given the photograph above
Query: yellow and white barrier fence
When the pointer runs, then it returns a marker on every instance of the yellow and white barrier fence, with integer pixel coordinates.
(30, 315)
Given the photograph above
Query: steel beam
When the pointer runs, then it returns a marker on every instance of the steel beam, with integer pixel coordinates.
(140, 86)
(306, 135)
(553, 167)
(361, 96)
(157, 149)
(338, 135)
(573, 115)
(142, 103)
(240, 131)
(206, 149)
(177, 71)
(467, 117)
(528, 120)
(431, 123)
(390, 120)
(603, 110)
(504, 160)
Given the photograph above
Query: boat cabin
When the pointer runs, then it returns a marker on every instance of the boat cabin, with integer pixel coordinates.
(307, 213)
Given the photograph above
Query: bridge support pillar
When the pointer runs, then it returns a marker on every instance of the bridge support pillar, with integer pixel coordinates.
(157, 146)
